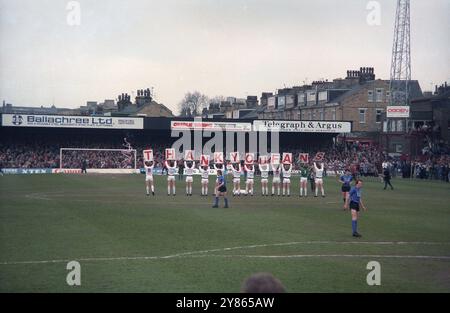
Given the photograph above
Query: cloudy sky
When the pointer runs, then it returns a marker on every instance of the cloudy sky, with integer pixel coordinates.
(219, 47)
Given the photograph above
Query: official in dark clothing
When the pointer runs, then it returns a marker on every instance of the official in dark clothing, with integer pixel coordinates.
(387, 178)
(312, 178)
(445, 173)
(84, 166)
(180, 169)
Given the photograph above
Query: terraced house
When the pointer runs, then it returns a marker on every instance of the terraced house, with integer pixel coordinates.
(359, 98)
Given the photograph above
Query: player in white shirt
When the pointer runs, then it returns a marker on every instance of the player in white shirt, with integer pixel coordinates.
(236, 171)
(319, 178)
(276, 179)
(204, 171)
(148, 166)
(250, 169)
(264, 169)
(287, 169)
(189, 167)
(171, 172)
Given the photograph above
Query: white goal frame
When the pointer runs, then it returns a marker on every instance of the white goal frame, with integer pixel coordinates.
(87, 149)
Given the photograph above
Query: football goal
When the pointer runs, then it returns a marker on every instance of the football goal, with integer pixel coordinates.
(98, 159)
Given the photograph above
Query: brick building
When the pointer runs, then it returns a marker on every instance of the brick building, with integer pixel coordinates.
(144, 105)
(428, 125)
(359, 98)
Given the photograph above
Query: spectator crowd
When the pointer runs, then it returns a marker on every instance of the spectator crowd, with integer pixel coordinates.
(360, 159)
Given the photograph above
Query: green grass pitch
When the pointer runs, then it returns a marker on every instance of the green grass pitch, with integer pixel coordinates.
(128, 242)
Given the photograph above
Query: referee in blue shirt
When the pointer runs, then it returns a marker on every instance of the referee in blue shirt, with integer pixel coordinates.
(346, 179)
(355, 203)
(221, 190)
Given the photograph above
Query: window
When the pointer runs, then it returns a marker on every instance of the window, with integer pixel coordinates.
(370, 96)
(333, 114)
(323, 96)
(313, 115)
(398, 148)
(301, 99)
(311, 97)
(392, 126)
(399, 125)
(321, 115)
(378, 115)
(362, 116)
(379, 95)
(310, 115)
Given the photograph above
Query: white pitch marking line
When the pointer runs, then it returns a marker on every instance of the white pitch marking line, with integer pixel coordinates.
(439, 257)
(53, 196)
(37, 196)
(199, 253)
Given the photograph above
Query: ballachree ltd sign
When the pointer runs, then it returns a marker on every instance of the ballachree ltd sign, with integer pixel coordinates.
(24, 120)
(303, 126)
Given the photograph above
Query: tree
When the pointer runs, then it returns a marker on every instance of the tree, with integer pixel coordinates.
(218, 99)
(193, 104)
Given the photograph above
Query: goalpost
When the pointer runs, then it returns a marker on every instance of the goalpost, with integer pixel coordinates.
(124, 158)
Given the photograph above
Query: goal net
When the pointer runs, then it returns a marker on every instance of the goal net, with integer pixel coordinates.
(97, 159)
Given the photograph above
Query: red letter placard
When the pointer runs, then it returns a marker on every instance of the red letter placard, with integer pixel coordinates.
(275, 158)
(319, 156)
(287, 158)
(249, 158)
(218, 157)
(189, 155)
(148, 155)
(234, 157)
(170, 154)
(204, 160)
(304, 158)
(263, 159)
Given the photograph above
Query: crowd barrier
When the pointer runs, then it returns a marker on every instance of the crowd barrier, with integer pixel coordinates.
(156, 171)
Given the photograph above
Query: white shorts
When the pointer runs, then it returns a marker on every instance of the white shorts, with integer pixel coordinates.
(189, 179)
(205, 180)
(249, 180)
(149, 178)
(236, 180)
(303, 179)
(170, 178)
(264, 180)
(319, 181)
(286, 180)
(276, 180)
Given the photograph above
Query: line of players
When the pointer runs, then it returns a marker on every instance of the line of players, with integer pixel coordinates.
(351, 196)
(281, 177)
